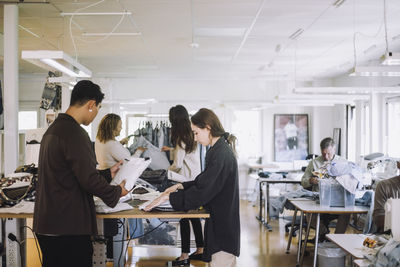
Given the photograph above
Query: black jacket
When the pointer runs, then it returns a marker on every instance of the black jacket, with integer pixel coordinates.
(217, 189)
(67, 181)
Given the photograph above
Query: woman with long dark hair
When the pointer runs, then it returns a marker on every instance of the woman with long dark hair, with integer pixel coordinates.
(186, 161)
(216, 189)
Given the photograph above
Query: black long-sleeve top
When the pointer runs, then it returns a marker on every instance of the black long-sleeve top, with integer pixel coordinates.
(217, 190)
(67, 181)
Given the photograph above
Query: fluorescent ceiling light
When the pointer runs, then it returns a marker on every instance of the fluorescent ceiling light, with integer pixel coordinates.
(111, 34)
(347, 90)
(143, 101)
(311, 103)
(375, 71)
(56, 61)
(319, 101)
(323, 97)
(95, 13)
(391, 59)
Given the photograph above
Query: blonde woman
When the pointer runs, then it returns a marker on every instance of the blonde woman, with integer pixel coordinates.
(108, 150)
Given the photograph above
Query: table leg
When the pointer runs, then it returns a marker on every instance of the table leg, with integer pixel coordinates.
(300, 237)
(316, 240)
(260, 198)
(291, 231)
(120, 247)
(303, 250)
(267, 206)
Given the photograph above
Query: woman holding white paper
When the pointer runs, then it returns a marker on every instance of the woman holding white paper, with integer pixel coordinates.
(186, 162)
(110, 151)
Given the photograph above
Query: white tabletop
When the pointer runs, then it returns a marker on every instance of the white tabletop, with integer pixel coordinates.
(310, 206)
(351, 243)
(277, 181)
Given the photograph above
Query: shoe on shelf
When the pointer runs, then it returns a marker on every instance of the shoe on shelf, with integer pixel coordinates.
(194, 256)
(178, 262)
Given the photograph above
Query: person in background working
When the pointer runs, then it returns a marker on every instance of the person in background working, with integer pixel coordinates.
(186, 161)
(385, 189)
(109, 151)
(216, 189)
(65, 217)
(310, 181)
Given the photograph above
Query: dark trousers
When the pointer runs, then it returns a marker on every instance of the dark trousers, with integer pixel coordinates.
(185, 233)
(63, 251)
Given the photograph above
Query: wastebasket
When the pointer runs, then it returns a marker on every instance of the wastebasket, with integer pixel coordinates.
(330, 255)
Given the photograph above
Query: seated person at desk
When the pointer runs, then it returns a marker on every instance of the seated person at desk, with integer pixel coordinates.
(310, 181)
(389, 188)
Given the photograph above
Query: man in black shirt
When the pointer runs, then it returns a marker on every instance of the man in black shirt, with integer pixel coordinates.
(65, 216)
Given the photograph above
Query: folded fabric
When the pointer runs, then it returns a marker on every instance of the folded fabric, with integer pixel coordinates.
(277, 204)
(101, 207)
(21, 207)
(365, 200)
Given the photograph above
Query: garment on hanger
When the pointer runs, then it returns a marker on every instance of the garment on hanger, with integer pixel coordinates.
(158, 158)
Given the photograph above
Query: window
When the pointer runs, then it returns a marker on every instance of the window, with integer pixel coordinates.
(27, 120)
(393, 127)
(247, 128)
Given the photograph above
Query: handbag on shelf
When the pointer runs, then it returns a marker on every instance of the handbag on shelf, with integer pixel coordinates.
(19, 185)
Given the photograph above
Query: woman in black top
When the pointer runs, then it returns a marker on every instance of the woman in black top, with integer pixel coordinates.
(187, 163)
(216, 189)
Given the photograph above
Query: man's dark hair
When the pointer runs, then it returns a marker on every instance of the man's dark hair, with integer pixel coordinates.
(327, 142)
(84, 91)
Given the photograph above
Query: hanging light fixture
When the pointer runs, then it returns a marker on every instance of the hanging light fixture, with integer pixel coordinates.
(56, 61)
(389, 58)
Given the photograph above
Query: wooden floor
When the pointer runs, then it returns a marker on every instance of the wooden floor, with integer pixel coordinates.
(259, 247)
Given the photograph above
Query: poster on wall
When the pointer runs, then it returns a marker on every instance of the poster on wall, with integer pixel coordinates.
(290, 137)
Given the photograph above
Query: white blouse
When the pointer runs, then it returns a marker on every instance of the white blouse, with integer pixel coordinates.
(109, 153)
(186, 164)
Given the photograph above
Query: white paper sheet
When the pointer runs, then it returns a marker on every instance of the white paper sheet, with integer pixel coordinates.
(130, 171)
(101, 207)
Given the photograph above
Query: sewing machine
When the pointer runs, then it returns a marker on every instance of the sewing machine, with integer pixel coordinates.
(379, 167)
(392, 217)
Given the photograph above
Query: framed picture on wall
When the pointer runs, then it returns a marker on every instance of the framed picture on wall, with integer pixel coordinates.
(290, 137)
(336, 139)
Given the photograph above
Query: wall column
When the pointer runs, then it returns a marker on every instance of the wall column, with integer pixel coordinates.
(11, 88)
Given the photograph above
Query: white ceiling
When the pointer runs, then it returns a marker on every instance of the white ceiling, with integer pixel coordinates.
(238, 39)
